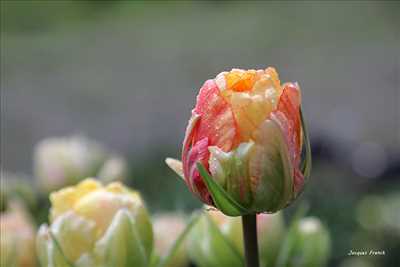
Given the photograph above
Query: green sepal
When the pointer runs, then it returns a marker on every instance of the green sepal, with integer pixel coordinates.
(229, 243)
(222, 200)
(306, 163)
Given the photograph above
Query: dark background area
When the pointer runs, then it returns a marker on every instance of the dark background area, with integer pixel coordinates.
(126, 74)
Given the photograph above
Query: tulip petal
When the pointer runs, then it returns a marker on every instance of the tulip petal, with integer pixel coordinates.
(271, 171)
(121, 244)
(290, 118)
(191, 153)
(289, 105)
(187, 142)
(217, 122)
(49, 251)
(62, 260)
(75, 234)
(223, 201)
(42, 241)
(198, 153)
(230, 170)
(176, 166)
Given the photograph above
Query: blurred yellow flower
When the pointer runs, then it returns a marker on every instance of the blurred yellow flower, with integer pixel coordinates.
(96, 225)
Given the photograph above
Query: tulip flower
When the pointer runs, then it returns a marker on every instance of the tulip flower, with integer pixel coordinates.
(17, 242)
(242, 148)
(167, 228)
(96, 226)
(271, 233)
(63, 161)
(114, 169)
(310, 244)
(217, 240)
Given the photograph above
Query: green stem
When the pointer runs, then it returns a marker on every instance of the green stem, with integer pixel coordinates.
(250, 240)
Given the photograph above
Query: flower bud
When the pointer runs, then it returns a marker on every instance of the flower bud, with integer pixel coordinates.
(59, 162)
(311, 244)
(167, 228)
(113, 169)
(271, 233)
(95, 225)
(380, 214)
(17, 240)
(246, 130)
(217, 240)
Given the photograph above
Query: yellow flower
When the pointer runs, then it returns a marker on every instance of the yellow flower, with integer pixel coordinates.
(97, 225)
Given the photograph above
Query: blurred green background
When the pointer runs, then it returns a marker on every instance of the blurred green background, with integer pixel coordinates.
(127, 73)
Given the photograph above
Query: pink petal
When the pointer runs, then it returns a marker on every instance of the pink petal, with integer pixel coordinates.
(288, 117)
(198, 153)
(217, 122)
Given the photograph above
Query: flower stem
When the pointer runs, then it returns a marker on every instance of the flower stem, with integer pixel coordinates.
(250, 240)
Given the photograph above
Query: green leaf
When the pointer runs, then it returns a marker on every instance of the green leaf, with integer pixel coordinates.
(228, 242)
(287, 245)
(210, 246)
(59, 250)
(164, 261)
(307, 162)
(224, 202)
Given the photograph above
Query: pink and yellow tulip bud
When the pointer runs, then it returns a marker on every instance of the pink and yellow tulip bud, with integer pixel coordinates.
(311, 244)
(96, 226)
(59, 162)
(17, 242)
(217, 240)
(167, 228)
(247, 131)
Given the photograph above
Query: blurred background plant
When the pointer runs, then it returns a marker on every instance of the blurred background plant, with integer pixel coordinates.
(17, 242)
(59, 162)
(126, 73)
(167, 228)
